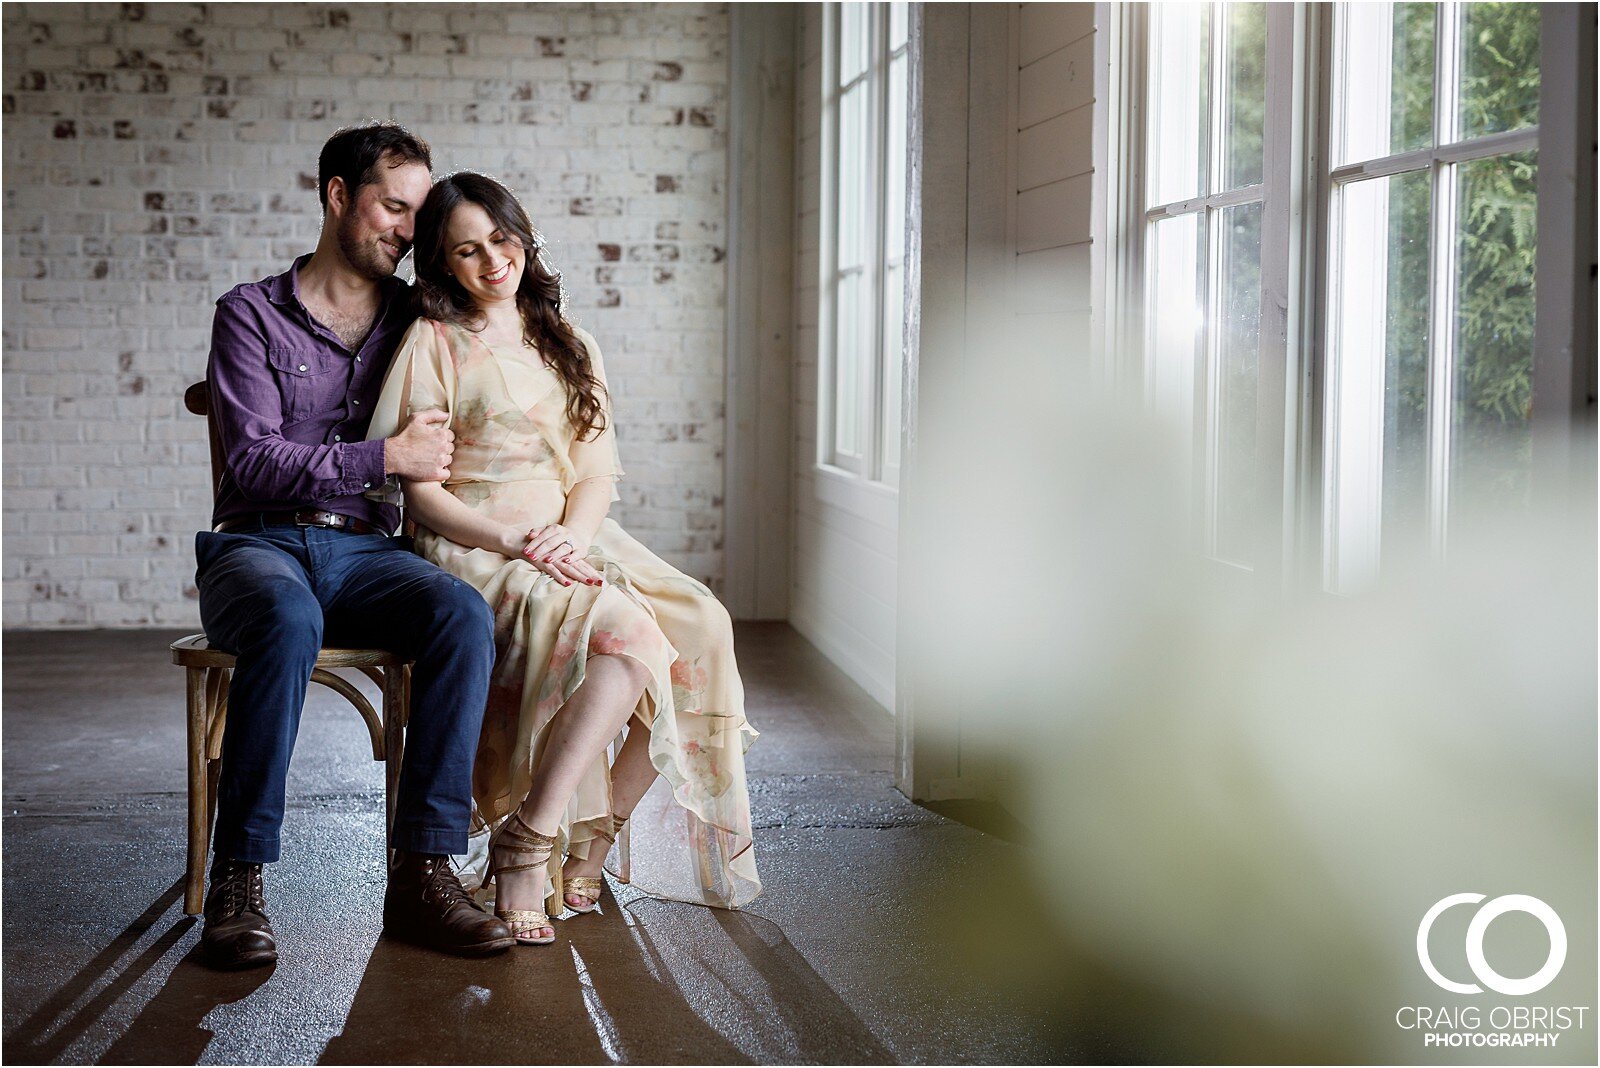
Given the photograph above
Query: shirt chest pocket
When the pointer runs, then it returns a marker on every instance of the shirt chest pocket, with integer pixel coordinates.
(309, 381)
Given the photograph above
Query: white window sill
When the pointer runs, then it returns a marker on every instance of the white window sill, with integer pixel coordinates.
(876, 502)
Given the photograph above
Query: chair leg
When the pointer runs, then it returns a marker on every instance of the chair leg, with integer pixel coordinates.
(395, 711)
(218, 704)
(213, 773)
(199, 794)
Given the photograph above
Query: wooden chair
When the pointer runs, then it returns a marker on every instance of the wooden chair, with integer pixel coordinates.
(208, 672)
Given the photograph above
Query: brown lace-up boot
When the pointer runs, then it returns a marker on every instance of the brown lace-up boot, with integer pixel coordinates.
(426, 905)
(237, 934)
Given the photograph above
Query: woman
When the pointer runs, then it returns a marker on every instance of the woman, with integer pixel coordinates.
(595, 634)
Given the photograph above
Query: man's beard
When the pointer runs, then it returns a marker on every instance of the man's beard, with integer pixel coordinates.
(369, 260)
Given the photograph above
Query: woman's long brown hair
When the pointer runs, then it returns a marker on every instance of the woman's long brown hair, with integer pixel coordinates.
(539, 294)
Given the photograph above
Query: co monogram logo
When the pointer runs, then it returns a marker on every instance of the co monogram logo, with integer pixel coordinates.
(1475, 932)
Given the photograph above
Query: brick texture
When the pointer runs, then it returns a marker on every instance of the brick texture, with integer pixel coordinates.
(157, 154)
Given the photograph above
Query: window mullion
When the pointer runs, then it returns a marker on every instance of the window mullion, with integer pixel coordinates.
(1442, 305)
(1211, 372)
(1208, 395)
(1290, 71)
(1441, 356)
(1216, 163)
(1447, 75)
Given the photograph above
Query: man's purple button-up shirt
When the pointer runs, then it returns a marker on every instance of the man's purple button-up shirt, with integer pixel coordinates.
(292, 404)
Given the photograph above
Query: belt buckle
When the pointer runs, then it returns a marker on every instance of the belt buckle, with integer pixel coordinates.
(308, 519)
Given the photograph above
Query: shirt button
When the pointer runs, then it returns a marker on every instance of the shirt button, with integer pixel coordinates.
(302, 367)
(336, 437)
(358, 359)
(356, 403)
(366, 485)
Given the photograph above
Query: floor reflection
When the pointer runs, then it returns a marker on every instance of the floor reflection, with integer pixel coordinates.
(592, 997)
(651, 982)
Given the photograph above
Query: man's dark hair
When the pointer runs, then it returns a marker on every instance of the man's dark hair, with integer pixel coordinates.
(352, 153)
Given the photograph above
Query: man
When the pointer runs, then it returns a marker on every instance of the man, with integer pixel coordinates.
(299, 557)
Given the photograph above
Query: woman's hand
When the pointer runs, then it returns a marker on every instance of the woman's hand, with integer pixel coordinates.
(560, 553)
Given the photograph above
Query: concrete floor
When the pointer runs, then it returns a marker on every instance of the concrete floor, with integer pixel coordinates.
(847, 957)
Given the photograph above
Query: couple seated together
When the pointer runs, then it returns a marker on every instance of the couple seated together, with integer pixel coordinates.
(560, 669)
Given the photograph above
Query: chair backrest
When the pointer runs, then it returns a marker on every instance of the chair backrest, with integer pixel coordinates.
(197, 399)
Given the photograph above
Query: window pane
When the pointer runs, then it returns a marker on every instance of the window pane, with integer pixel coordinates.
(1499, 67)
(1174, 319)
(894, 299)
(1405, 374)
(1387, 65)
(848, 354)
(1238, 348)
(1247, 92)
(853, 21)
(1491, 439)
(897, 25)
(854, 175)
(1377, 456)
(1412, 58)
(1179, 101)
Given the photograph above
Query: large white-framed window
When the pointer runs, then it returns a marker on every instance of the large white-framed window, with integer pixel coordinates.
(1205, 202)
(863, 274)
(1365, 175)
(1432, 217)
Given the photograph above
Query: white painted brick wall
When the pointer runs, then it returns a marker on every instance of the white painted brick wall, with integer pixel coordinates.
(157, 154)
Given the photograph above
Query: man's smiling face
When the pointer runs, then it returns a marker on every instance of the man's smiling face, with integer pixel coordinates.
(375, 231)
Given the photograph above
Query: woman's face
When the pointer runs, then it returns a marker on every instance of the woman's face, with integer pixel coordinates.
(485, 259)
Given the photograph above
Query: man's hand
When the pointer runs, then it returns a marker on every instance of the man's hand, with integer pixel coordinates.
(422, 449)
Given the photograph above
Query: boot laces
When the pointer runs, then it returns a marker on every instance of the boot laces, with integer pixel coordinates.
(242, 889)
(444, 885)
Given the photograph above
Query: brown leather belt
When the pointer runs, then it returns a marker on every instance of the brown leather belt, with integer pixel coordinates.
(305, 517)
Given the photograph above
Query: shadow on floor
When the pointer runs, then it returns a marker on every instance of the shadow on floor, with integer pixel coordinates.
(172, 1021)
(807, 1005)
(60, 1021)
(990, 817)
(834, 963)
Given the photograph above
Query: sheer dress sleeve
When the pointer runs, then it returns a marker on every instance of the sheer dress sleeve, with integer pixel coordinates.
(421, 378)
(597, 456)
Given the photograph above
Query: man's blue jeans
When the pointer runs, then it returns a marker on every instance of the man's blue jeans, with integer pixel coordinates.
(273, 597)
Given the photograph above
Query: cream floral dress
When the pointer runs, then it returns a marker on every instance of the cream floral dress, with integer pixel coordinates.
(516, 459)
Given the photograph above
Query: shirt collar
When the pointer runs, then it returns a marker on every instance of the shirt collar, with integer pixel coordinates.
(285, 288)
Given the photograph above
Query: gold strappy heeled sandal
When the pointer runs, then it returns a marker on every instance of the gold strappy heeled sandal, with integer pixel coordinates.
(515, 836)
(589, 886)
